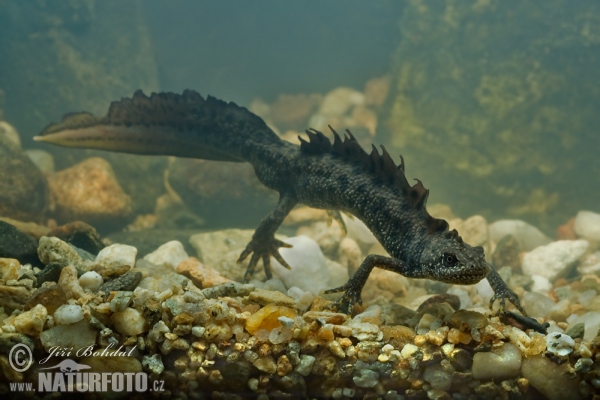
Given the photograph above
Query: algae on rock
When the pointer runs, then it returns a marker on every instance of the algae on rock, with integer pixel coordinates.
(493, 105)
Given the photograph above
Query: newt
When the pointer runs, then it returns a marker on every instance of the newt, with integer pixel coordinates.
(339, 176)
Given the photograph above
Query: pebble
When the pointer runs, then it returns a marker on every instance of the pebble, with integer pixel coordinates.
(303, 299)
(9, 269)
(153, 364)
(117, 255)
(202, 275)
(91, 281)
(170, 254)
(587, 225)
(500, 363)
(553, 260)
(308, 266)
(269, 297)
(54, 250)
(81, 235)
(555, 382)
(541, 284)
(50, 296)
(78, 335)
(528, 236)
(129, 322)
(267, 318)
(537, 304)
(591, 320)
(69, 283)
(305, 365)
(68, 314)
(438, 376)
(70, 190)
(365, 378)
(31, 322)
(126, 282)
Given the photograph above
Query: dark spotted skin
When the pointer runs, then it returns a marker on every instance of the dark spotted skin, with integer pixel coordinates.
(338, 176)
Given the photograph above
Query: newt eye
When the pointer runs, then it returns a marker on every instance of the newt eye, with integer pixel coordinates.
(449, 260)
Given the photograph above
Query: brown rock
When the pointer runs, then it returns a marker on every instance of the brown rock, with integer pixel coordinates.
(267, 297)
(566, 231)
(397, 335)
(50, 296)
(202, 275)
(89, 191)
(80, 235)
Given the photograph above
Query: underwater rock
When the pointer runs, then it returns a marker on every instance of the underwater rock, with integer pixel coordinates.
(211, 246)
(552, 380)
(89, 191)
(202, 275)
(473, 230)
(170, 254)
(77, 336)
(53, 250)
(68, 314)
(554, 259)
(500, 363)
(528, 236)
(117, 255)
(13, 297)
(308, 266)
(7, 131)
(42, 159)
(51, 296)
(537, 304)
(339, 101)
(507, 253)
(127, 282)
(587, 225)
(80, 235)
(24, 187)
(18, 245)
(31, 322)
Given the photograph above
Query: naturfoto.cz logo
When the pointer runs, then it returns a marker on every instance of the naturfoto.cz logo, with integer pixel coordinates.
(70, 376)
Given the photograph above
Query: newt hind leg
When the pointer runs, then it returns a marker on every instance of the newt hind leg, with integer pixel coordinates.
(263, 244)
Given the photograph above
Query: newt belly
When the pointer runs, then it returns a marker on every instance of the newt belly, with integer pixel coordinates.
(338, 176)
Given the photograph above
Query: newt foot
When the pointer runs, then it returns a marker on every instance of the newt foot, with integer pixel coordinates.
(350, 297)
(263, 249)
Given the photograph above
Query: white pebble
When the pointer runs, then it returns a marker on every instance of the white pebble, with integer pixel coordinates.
(554, 259)
(68, 314)
(170, 254)
(117, 255)
(91, 281)
(559, 344)
(308, 265)
(587, 225)
(541, 284)
(198, 331)
(129, 322)
(409, 350)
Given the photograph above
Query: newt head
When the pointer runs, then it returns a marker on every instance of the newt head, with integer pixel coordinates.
(446, 258)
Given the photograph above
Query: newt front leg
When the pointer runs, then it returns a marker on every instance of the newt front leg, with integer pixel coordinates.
(263, 244)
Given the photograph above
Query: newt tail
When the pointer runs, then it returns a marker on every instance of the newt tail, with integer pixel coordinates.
(338, 176)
